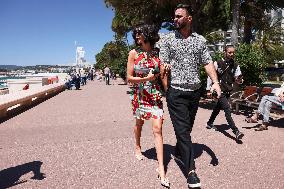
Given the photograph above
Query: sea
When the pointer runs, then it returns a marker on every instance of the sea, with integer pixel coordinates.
(3, 81)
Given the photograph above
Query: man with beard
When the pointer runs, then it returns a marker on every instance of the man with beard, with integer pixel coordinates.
(228, 72)
(183, 52)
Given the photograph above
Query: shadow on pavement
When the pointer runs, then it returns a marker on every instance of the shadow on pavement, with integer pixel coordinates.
(200, 148)
(279, 123)
(11, 176)
(254, 126)
(223, 129)
(169, 150)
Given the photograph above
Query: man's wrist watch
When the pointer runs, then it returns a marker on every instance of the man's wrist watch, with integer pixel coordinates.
(216, 82)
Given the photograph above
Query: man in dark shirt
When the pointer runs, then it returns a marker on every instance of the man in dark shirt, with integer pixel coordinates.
(228, 72)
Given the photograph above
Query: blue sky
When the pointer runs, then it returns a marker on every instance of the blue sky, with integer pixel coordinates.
(36, 32)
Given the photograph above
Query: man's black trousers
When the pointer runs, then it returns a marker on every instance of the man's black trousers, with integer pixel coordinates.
(223, 103)
(182, 107)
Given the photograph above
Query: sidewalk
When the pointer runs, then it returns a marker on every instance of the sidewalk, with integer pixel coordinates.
(84, 139)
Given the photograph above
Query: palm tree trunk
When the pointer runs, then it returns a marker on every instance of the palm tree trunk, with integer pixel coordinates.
(247, 31)
(225, 39)
(235, 25)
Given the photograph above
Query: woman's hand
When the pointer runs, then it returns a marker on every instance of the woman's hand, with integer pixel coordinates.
(151, 76)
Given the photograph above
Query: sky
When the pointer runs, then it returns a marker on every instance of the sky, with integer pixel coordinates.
(43, 32)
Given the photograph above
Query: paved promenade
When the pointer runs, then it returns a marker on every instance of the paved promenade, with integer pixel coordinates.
(84, 139)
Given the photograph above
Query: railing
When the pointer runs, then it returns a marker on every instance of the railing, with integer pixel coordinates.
(24, 98)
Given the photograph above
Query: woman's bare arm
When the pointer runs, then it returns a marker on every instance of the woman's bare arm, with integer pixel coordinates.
(130, 70)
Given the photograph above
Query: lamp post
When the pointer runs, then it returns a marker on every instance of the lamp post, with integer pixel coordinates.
(76, 60)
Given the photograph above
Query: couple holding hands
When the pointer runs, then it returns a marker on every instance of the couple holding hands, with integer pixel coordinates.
(176, 64)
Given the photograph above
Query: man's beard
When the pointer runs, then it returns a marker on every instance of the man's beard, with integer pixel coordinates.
(180, 26)
(230, 61)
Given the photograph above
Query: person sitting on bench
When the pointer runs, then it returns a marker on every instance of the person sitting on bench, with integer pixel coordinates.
(265, 107)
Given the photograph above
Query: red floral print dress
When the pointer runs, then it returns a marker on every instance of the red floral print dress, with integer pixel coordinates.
(146, 97)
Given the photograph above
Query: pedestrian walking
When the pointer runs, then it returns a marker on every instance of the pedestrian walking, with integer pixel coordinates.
(143, 70)
(83, 76)
(91, 74)
(77, 80)
(228, 72)
(107, 74)
(184, 51)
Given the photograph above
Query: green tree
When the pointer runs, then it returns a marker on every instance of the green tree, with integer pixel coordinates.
(114, 54)
(208, 15)
(254, 16)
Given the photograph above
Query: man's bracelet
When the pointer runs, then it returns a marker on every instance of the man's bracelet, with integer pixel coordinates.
(216, 82)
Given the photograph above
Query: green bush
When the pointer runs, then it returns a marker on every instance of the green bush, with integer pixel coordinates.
(251, 59)
(218, 56)
(275, 54)
(252, 63)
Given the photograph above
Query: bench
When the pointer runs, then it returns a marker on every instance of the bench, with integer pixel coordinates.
(25, 98)
(243, 97)
(251, 97)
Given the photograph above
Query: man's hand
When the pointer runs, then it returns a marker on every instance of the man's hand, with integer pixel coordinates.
(167, 68)
(217, 88)
(239, 80)
(281, 96)
(209, 94)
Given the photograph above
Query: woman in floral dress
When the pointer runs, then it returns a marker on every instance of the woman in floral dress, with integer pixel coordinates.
(143, 71)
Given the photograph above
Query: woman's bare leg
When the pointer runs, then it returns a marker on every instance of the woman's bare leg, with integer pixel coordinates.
(158, 136)
(137, 133)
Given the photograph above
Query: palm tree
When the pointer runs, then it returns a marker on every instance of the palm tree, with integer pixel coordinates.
(235, 4)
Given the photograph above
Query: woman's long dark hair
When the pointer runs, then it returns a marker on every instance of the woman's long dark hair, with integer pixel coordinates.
(150, 33)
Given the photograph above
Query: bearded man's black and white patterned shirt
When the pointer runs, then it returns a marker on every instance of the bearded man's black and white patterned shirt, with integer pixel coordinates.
(185, 57)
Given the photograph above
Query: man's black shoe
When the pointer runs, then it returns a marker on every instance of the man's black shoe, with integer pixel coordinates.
(211, 126)
(193, 181)
(239, 135)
